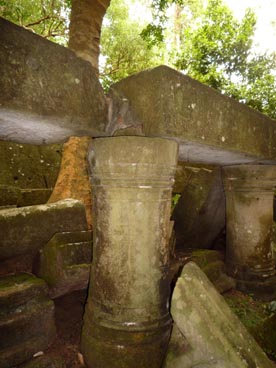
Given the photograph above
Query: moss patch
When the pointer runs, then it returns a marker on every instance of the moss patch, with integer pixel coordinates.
(258, 317)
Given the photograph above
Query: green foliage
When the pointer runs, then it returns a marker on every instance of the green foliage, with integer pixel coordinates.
(175, 199)
(48, 18)
(210, 45)
(123, 50)
(216, 49)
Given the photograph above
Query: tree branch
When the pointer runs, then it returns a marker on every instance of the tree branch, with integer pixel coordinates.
(38, 21)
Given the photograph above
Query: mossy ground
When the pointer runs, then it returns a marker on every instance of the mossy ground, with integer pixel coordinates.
(258, 317)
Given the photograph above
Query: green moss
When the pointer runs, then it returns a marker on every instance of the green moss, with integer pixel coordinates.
(258, 317)
(13, 281)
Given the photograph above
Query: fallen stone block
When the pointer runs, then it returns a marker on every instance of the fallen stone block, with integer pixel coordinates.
(28, 229)
(214, 336)
(27, 323)
(65, 261)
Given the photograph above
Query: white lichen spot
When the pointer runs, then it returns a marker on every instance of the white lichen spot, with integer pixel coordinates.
(178, 84)
(10, 148)
(223, 139)
(42, 161)
(249, 232)
(77, 81)
(120, 346)
(193, 105)
(20, 146)
(22, 174)
(38, 354)
(202, 137)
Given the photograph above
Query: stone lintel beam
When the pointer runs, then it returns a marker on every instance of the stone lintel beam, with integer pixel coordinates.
(47, 92)
(209, 127)
(249, 191)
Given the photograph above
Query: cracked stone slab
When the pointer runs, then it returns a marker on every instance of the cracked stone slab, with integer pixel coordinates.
(206, 332)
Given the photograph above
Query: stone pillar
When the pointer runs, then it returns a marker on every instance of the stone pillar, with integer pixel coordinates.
(249, 218)
(127, 321)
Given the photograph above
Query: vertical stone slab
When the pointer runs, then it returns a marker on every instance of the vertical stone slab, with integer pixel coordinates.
(199, 215)
(127, 321)
(249, 193)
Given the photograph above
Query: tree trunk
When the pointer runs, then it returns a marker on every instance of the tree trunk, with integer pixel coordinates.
(85, 28)
(73, 179)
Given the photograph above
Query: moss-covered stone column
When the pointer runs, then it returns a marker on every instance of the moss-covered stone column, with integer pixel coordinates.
(249, 218)
(127, 321)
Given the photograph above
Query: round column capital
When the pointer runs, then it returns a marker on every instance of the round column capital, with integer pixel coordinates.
(251, 178)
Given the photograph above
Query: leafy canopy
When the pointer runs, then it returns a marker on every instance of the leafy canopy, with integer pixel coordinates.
(123, 51)
(210, 45)
(48, 18)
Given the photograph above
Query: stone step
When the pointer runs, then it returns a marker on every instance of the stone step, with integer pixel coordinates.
(17, 290)
(21, 230)
(65, 262)
(27, 323)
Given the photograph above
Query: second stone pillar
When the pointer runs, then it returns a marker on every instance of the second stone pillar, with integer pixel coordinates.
(127, 321)
(249, 193)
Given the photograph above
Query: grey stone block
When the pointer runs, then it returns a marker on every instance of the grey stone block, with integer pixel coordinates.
(214, 336)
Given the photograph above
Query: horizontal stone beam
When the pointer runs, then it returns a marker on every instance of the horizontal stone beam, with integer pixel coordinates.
(27, 229)
(47, 92)
(210, 127)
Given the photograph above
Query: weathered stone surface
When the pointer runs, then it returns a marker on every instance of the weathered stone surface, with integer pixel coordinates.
(183, 174)
(65, 262)
(211, 262)
(9, 196)
(27, 229)
(209, 126)
(250, 259)
(27, 323)
(30, 197)
(27, 172)
(199, 216)
(127, 321)
(47, 92)
(73, 179)
(214, 336)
